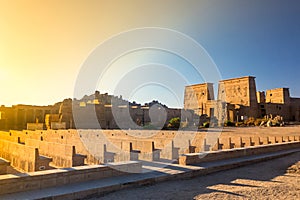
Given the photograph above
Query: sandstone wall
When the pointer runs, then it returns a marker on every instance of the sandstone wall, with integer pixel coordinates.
(196, 158)
(278, 95)
(23, 157)
(105, 146)
(196, 97)
(62, 155)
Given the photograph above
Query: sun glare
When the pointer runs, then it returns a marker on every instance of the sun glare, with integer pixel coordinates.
(3, 74)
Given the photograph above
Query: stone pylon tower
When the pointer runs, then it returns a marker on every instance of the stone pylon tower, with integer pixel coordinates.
(197, 96)
(240, 92)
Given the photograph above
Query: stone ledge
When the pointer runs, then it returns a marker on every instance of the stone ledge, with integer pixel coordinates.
(195, 158)
(56, 177)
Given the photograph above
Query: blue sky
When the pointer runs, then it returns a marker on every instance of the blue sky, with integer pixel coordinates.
(259, 38)
(45, 43)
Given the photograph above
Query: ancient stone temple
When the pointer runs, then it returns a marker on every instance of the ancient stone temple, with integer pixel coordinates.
(238, 100)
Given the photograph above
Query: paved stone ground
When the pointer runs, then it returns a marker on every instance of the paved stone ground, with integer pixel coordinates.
(266, 180)
(170, 190)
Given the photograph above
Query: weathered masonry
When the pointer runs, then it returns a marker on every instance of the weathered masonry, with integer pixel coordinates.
(238, 99)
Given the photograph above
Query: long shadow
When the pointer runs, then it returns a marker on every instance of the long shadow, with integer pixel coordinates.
(165, 165)
(262, 172)
(273, 169)
(231, 193)
(243, 185)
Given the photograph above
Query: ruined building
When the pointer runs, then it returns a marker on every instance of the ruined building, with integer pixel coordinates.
(111, 112)
(20, 117)
(238, 100)
(90, 112)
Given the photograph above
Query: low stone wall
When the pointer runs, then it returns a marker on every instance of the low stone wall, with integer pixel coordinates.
(62, 155)
(229, 143)
(22, 157)
(103, 146)
(196, 158)
(7, 136)
(56, 177)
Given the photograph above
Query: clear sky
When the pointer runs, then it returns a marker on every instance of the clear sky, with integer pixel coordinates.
(43, 44)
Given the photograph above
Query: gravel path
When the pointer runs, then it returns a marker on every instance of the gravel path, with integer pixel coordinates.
(266, 180)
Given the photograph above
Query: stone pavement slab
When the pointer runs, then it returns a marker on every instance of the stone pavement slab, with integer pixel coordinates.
(154, 172)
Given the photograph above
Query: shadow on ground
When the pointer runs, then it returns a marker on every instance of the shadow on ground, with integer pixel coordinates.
(257, 174)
